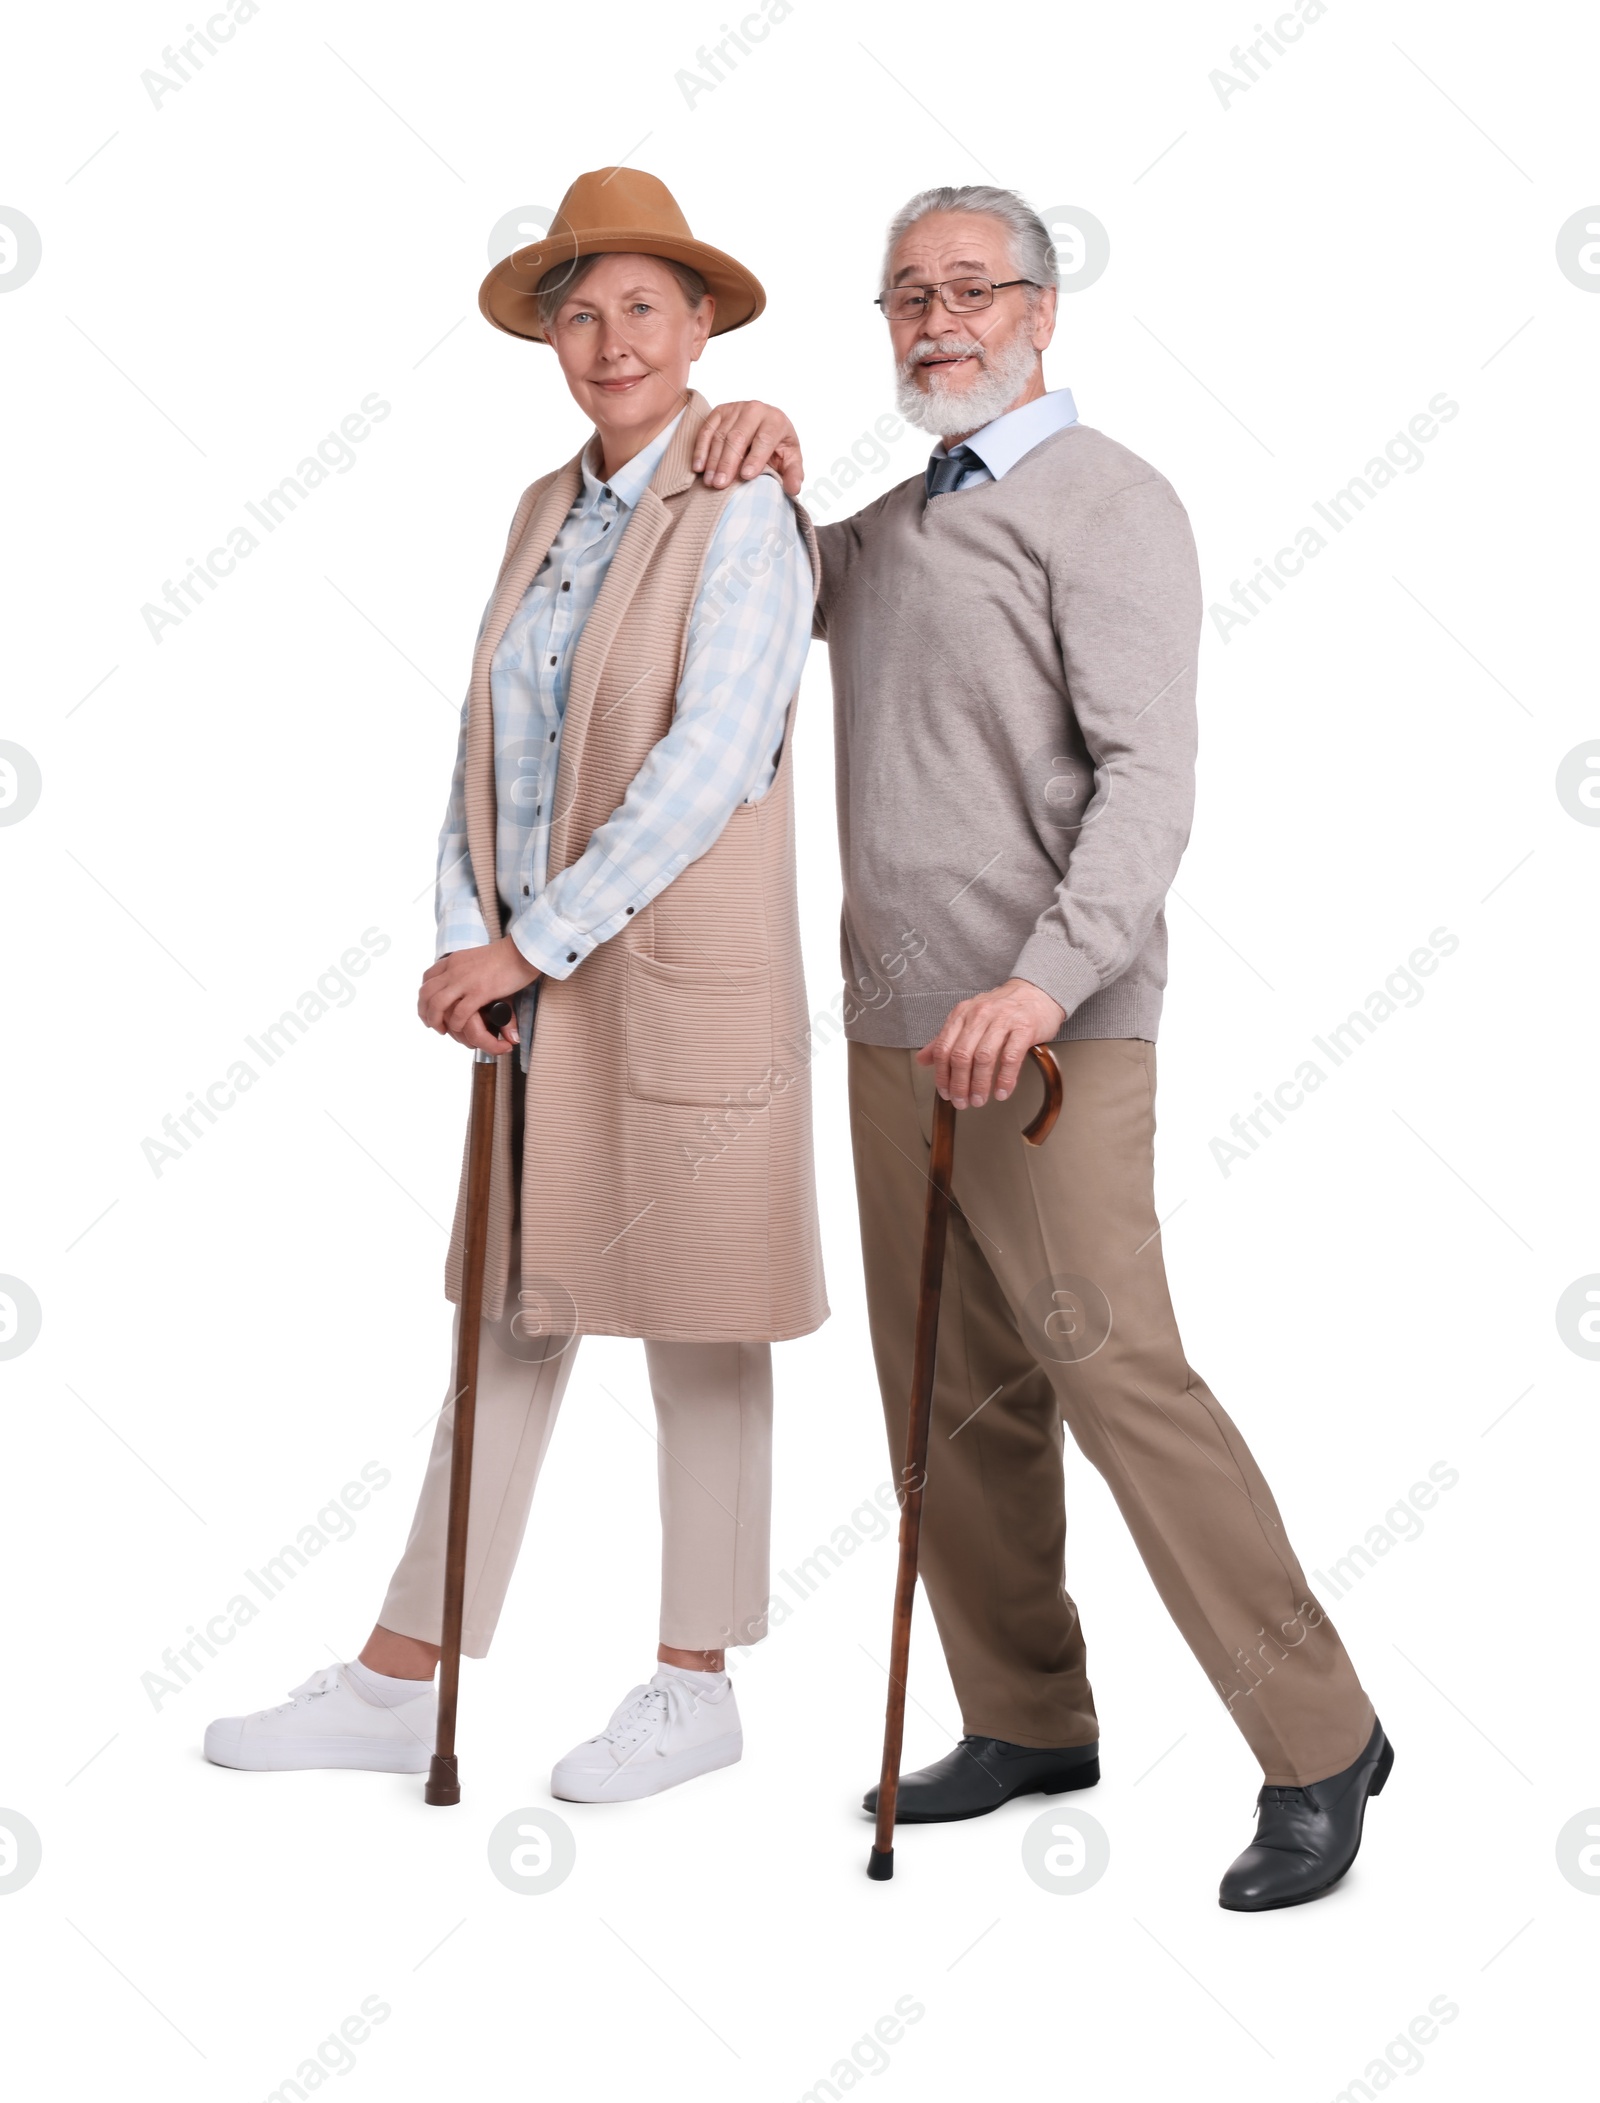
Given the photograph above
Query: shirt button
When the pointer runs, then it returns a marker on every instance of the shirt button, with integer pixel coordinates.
(552, 660)
(552, 737)
(630, 909)
(572, 956)
(524, 890)
(538, 810)
(566, 587)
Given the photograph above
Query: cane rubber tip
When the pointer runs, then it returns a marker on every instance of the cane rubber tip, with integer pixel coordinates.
(880, 1864)
(443, 1784)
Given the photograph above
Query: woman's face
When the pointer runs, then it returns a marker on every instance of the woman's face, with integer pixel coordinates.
(626, 339)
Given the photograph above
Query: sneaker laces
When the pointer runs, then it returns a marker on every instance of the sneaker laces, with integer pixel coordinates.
(323, 1681)
(669, 1704)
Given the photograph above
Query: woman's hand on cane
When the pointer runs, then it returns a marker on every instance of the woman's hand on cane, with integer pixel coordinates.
(460, 984)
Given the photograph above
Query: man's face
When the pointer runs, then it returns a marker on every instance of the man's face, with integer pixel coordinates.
(952, 351)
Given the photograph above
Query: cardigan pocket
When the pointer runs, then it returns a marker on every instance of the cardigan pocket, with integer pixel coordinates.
(699, 1033)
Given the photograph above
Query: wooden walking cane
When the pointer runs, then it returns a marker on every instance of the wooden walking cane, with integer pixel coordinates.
(880, 1864)
(444, 1782)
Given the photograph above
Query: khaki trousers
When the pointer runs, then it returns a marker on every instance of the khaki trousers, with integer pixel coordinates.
(1055, 1307)
(714, 1465)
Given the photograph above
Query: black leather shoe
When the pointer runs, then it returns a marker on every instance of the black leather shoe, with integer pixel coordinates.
(1306, 1838)
(981, 1774)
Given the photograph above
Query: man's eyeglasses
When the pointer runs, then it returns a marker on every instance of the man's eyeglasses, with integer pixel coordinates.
(961, 295)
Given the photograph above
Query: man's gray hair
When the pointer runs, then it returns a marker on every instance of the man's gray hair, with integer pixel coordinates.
(1033, 254)
(564, 279)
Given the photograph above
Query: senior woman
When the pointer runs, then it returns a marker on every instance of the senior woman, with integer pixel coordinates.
(618, 860)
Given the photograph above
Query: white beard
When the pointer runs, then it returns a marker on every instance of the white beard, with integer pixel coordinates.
(948, 411)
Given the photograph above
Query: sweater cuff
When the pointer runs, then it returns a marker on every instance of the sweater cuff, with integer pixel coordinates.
(1064, 973)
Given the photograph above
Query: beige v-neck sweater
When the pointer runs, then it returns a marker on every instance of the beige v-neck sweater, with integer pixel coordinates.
(1014, 675)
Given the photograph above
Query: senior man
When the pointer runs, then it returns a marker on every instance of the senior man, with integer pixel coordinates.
(1013, 639)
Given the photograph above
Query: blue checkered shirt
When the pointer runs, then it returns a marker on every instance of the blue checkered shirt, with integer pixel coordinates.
(747, 645)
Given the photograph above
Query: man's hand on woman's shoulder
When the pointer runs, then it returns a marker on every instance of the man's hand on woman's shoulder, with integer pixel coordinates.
(739, 439)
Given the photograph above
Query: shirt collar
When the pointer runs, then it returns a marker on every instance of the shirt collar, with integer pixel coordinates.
(1001, 444)
(630, 481)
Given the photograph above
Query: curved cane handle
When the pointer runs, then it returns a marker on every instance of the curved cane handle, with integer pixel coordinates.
(1050, 1073)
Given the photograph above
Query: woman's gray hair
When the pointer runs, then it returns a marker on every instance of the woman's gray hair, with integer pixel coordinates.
(1033, 254)
(560, 282)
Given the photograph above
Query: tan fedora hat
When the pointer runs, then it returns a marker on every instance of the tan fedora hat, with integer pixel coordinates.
(615, 211)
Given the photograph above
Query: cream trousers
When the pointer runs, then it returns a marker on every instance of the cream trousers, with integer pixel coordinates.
(714, 1468)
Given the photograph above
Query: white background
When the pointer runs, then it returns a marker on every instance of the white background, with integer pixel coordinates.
(1293, 276)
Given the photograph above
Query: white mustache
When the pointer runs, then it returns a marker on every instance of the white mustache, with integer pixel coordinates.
(926, 350)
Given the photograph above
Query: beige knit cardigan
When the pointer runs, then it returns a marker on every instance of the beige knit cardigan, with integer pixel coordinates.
(667, 1185)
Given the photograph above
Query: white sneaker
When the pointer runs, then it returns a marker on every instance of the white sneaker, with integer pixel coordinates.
(327, 1723)
(662, 1734)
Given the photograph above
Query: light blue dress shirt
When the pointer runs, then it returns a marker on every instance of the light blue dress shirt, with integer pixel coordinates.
(748, 638)
(1000, 445)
